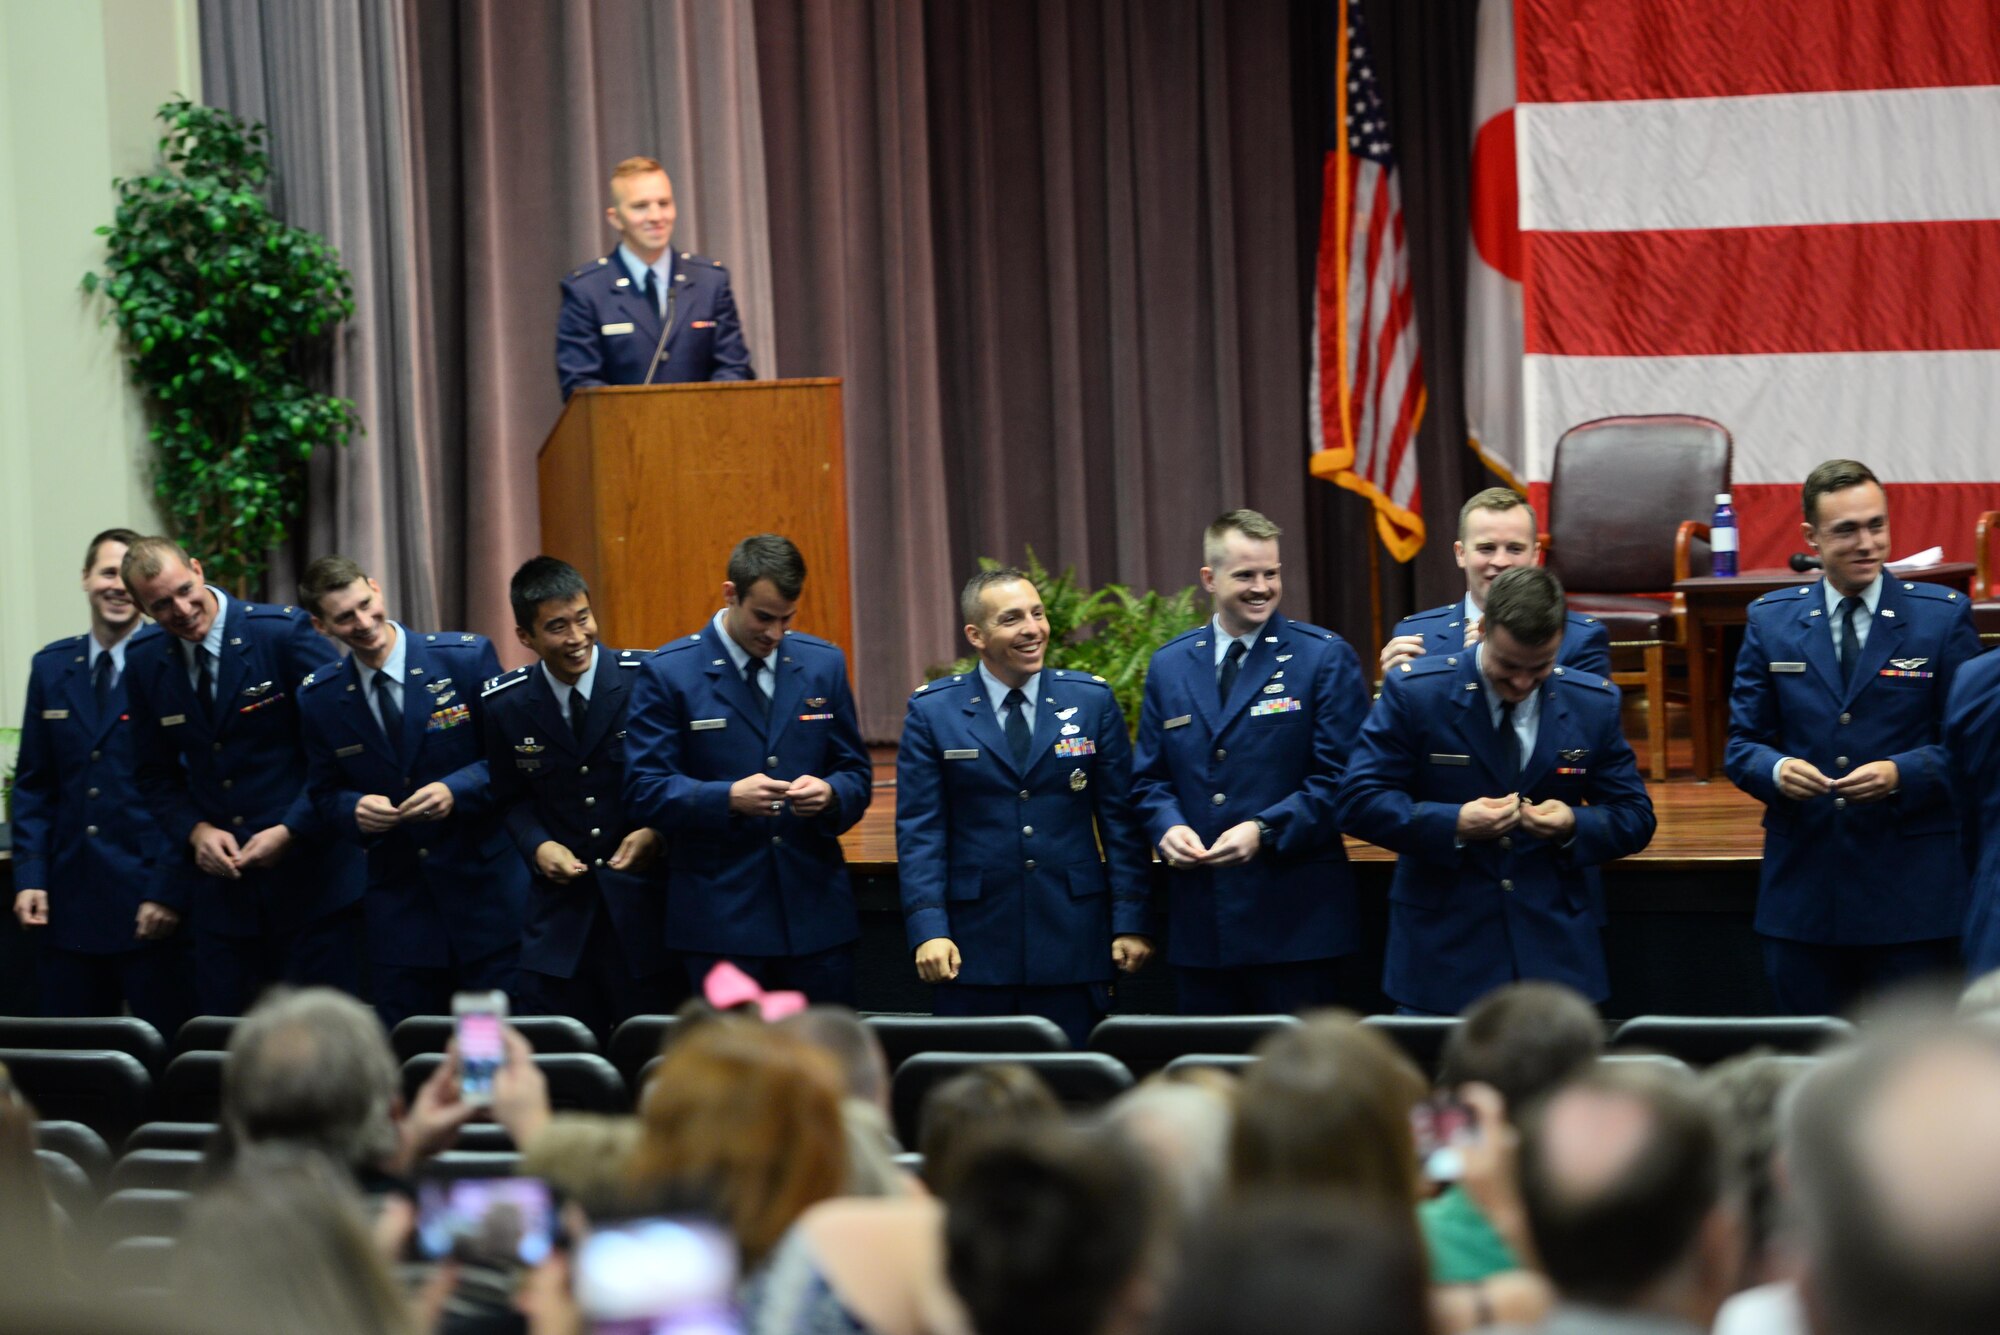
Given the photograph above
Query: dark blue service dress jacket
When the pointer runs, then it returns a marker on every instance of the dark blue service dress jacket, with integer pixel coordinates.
(607, 330)
(442, 892)
(1972, 740)
(551, 784)
(238, 763)
(1004, 859)
(1586, 643)
(1273, 752)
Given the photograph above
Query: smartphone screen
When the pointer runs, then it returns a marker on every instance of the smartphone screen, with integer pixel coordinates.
(481, 1049)
(490, 1220)
(1442, 1126)
(658, 1277)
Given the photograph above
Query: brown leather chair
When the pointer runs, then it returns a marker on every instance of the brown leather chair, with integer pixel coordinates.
(1619, 492)
(1986, 578)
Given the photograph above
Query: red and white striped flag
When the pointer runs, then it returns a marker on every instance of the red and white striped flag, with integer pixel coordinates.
(1494, 420)
(1782, 215)
(1368, 379)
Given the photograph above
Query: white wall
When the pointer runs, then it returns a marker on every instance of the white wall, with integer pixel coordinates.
(79, 82)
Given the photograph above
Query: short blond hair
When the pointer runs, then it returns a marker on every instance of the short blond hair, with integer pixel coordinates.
(635, 166)
(1499, 500)
(147, 557)
(1249, 523)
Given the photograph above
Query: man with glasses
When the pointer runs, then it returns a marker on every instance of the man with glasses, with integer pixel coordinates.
(1834, 724)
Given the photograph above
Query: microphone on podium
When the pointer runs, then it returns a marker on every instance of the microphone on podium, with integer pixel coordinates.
(1804, 561)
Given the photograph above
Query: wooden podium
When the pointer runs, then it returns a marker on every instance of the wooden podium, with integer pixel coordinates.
(646, 489)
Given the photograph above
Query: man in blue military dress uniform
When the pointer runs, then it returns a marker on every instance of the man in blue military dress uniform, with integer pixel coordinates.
(1835, 725)
(1498, 777)
(1243, 733)
(595, 945)
(743, 751)
(84, 847)
(1009, 780)
(1972, 740)
(397, 764)
(644, 315)
(1496, 532)
(272, 893)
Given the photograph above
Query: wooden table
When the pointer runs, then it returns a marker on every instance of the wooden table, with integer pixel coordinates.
(1712, 602)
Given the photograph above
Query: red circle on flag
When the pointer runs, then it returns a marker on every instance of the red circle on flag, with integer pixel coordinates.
(1496, 196)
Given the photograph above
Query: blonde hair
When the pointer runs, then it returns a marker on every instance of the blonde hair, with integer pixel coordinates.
(1249, 523)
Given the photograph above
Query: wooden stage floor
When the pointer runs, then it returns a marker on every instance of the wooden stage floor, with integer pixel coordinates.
(1702, 826)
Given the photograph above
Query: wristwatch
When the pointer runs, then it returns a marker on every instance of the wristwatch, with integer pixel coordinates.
(1263, 830)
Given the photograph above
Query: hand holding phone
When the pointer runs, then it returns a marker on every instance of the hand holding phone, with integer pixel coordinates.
(482, 1050)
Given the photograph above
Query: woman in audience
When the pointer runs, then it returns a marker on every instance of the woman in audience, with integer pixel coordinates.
(958, 1111)
(27, 1218)
(1183, 1128)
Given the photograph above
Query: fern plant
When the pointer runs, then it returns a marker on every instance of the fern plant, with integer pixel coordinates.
(1111, 632)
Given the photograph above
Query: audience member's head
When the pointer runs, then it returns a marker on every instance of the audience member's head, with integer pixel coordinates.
(746, 1117)
(839, 1032)
(1744, 1093)
(1981, 998)
(1523, 1039)
(1183, 1128)
(283, 1235)
(27, 1219)
(1894, 1168)
(1307, 1262)
(962, 1111)
(1050, 1230)
(1328, 1107)
(312, 1069)
(1623, 1180)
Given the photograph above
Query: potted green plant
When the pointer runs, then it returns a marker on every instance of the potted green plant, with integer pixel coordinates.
(223, 308)
(1110, 632)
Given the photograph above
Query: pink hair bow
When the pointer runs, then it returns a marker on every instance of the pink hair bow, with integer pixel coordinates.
(728, 987)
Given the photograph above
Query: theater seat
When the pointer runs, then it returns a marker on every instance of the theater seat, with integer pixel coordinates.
(167, 1170)
(139, 1213)
(1081, 1080)
(109, 1092)
(138, 1267)
(191, 1090)
(171, 1136)
(471, 1163)
(1421, 1037)
(1229, 1063)
(485, 1137)
(1148, 1043)
(637, 1041)
(205, 1033)
(69, 1186)
(902, 1036)
(1658, 1060)
(545, 1033)
(80, 1145)
(1703, 1040)
(106, 1033)
(578, 1081)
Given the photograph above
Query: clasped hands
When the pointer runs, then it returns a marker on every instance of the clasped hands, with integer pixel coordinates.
(636, 852)
(1181, 848)
(762, 795)
(217, 853)
(376, 814)
(1486, 818)
(1800, 779)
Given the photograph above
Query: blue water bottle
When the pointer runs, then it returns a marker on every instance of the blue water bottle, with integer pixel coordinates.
(1722, 537)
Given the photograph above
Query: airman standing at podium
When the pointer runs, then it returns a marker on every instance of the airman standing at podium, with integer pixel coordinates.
(646, 314)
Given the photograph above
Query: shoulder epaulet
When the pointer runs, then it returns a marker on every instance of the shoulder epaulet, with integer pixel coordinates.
(505, 679)
(944, 684)
(808, 639)
(320, 676)
(1065, 674)
(628, 658)
(1431, 613)
(588, 266)
(1310, 631)
(682, 645)
(447, 638)
(692, 258)
(1425, 665)
(286, 610)
(68, 644)
(1936, 592)
(1189, 633)
(1582, 617)
(1577, 676)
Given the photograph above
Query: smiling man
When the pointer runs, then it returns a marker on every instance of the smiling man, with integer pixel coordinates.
(1010, 779)
(1499, 777)
(84, 847)
(1496, 532)
(1835, 724)
(397, 764)
(1244, 731)
(595, 946)
(273, 894)
(644, 315)
(743, 750)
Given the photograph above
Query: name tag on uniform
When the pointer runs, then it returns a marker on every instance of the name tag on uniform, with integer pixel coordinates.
(708, 724)
(971, 753)
(1178, 722)
(173, 720)
(1439, 759)
(624, 328)
(1788, 667)
(343, 752)
(55, 713)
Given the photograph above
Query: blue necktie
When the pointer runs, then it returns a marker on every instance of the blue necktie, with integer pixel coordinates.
(1232, 664)
(1510, 744)
(1019, 739)
(392, 713)
(103, 681)
(1850, 641)
(753, 678)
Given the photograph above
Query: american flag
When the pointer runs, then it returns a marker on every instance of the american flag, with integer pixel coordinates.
(1368, 378)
